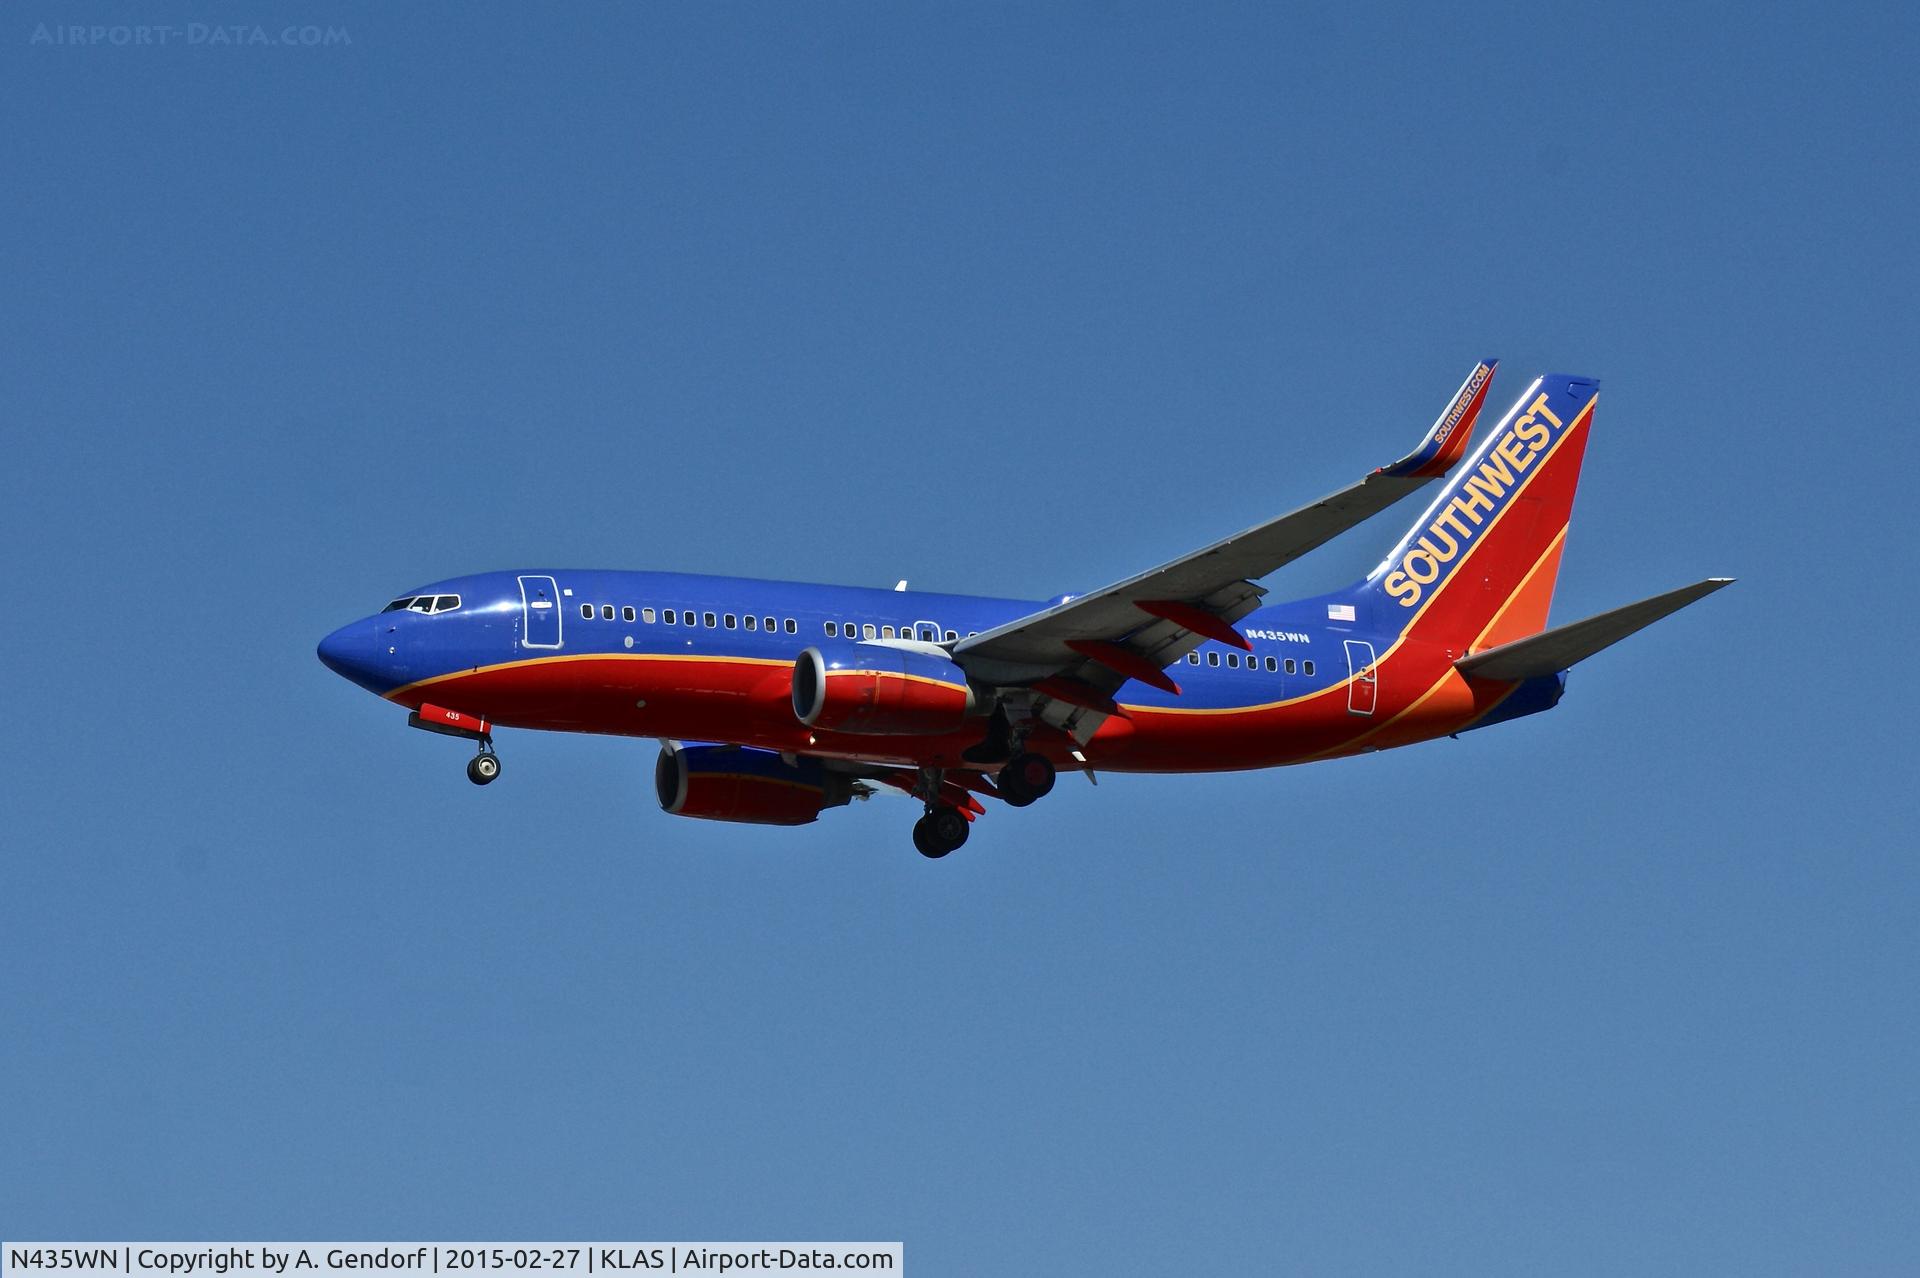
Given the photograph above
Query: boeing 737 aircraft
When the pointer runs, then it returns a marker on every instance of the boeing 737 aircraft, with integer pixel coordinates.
(776, 701)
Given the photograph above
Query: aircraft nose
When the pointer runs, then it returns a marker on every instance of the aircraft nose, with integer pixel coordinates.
(354, 652)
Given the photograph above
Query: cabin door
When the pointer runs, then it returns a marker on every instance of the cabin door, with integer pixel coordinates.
(1364, 689)
(540, 613)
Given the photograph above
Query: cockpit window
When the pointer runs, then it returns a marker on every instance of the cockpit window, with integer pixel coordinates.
(424, 603)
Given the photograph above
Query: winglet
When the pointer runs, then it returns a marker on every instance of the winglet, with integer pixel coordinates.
(1446, 443)
(1552, 651)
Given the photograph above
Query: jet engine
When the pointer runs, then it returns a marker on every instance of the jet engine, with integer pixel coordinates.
(879, 689)
(739, 783)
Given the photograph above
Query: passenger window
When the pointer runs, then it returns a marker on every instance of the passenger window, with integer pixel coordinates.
(707, 619)
(670, 617)
(1272, 665)
(753, 622)
(833, 629)
(769, 624)
(586, 612)
(886, 632)
(929, 635)
(867, 631)
(793, 627)
(1309, 669)
(1289, 665)
(730, 619)
(1233, 659)
(646, 615)
(1213, 658)
(606, 612)
(626, 613)
(1193, 658)
(952, 635)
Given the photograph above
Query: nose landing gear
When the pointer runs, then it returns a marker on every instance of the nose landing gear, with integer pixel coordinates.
(485, 766)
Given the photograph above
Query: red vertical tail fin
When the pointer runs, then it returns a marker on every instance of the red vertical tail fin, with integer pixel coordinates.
(1478, 568)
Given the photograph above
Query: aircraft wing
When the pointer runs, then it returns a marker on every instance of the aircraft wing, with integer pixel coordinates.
(1136, 627)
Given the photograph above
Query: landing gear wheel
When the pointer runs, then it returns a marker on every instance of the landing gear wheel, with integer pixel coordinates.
(1026, 778)
(483, 768)
(939, 832)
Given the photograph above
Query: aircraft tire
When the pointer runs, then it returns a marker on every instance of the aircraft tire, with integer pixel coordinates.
(1025, 779)
(483, 768)
(939, 832)
(923, 840)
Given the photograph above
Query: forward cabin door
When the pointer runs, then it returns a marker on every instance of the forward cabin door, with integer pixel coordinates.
(540, 609)
(1364, 689)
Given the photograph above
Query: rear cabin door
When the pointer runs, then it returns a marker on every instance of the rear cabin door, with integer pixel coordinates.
(540, 606)
(1364, 690)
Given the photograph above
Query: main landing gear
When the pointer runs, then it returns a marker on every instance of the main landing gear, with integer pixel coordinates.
(944, 827)
(485, 766)
(939, 832)
(1025, 778)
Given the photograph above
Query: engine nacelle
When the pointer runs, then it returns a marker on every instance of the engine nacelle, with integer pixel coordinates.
(739, 783)
(879, 689)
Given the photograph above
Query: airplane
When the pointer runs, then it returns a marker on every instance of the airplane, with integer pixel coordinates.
(775, 701)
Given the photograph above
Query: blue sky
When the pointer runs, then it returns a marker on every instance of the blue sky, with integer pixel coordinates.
(1001, 301)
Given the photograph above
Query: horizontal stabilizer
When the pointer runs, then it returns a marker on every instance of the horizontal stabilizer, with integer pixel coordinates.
(1552, 651)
